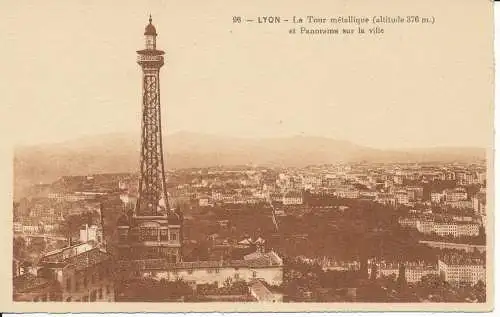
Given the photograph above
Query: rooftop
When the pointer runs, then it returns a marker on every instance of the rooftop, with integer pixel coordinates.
(80, 256)
(270, 259)
(260, 291)
(88, 259)
(461, 259)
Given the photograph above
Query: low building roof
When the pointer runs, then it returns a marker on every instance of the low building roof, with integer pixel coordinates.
(270, 259)
(81, 260)
(260, 291)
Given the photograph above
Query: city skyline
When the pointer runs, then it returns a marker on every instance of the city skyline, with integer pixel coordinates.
(271, 94)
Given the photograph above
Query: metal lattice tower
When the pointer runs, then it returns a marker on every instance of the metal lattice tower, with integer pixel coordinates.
(152, 184)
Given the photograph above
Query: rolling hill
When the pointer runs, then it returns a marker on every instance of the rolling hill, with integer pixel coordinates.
(120, 153)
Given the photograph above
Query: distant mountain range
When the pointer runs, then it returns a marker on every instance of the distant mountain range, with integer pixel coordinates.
(120, 153)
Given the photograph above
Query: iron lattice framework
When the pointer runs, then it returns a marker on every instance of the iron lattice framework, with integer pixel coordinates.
(152, 184)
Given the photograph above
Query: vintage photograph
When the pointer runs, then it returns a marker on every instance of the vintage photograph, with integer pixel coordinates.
(215, 153)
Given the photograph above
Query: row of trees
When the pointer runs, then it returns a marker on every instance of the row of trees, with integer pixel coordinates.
(152, 290)
(366, 229)
(72, 223)
(24, 252)
(229, 287)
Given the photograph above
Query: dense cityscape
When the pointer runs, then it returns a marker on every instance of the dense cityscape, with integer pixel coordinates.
(357, 231)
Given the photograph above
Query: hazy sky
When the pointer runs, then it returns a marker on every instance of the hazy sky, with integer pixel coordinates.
(71, 71)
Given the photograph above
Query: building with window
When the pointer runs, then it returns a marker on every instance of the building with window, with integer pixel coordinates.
(348, 193)
(408, 222)
(462, 270)
(265, 266)
(437, 197)
(415, 193)
(292, 198)
(402, 197)
(79, 273)
(153, 237)
(91, 233)
(18, 226)
(456, 194)
(459, 204)
(479, 203)
(414, 273)
(386, 199)
(454, 228)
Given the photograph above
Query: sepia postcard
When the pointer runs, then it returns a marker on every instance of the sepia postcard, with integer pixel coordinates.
(243, 156)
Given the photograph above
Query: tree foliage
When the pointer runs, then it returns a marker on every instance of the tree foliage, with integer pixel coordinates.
(152, 290)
